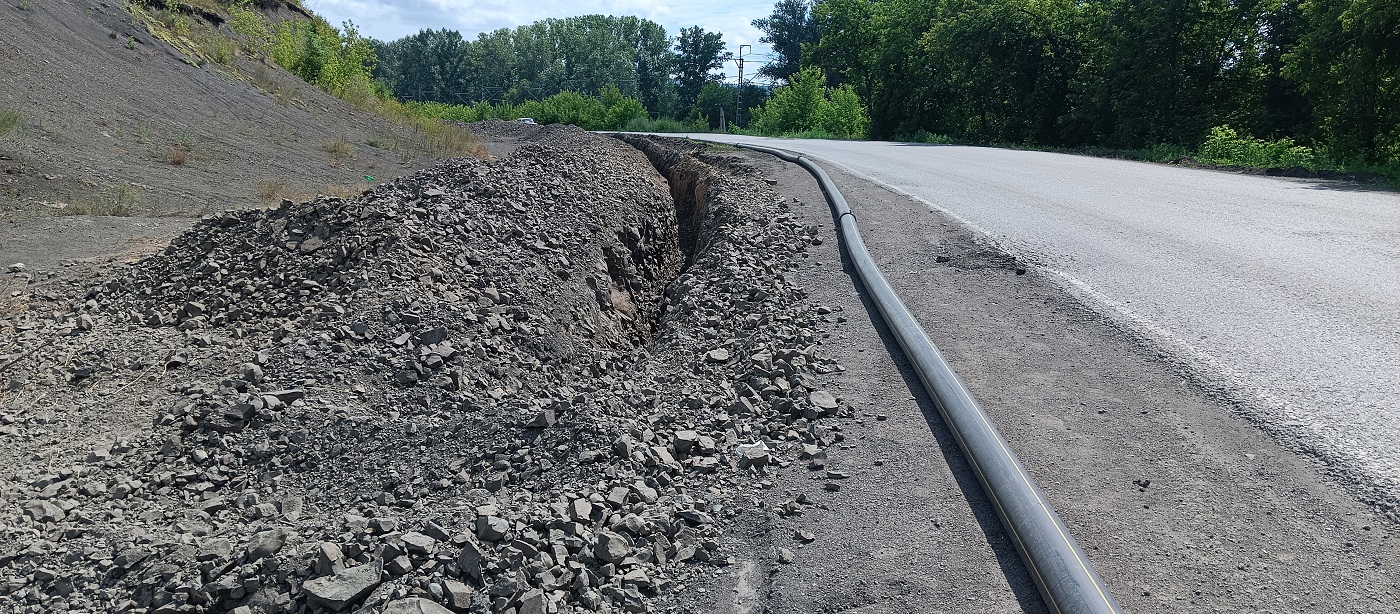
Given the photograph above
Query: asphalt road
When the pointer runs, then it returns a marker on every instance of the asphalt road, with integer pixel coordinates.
(1282, 293)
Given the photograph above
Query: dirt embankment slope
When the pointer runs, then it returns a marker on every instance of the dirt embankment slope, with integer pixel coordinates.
(115, 120)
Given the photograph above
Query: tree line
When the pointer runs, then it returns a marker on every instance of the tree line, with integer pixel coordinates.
(1128, 74)
(671, 76)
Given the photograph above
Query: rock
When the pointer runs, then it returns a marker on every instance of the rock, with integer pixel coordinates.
(459, 596)
(418, 543)
(822, 400)
(533, 602)
(414, 605)
(785, 556)
(329, 559)
(804, 536)
(542, 419)
(44, 511)
(683, 441)
(491, 528)
(717, 355)
(342, 589)
(266, 544)
(470, 561)
(611, 547)
(580, 510)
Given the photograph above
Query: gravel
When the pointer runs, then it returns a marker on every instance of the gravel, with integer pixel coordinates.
(534, 383)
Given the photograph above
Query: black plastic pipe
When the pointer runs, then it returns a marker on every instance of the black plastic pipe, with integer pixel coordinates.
(1066, 580)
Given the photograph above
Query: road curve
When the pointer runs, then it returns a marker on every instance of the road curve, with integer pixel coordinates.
(1283, 293)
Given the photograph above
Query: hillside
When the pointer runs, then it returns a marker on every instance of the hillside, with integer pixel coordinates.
(114, 120)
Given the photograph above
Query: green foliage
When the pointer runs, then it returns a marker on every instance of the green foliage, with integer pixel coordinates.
(924, 136)
(809, 106)
(664, 124)
(8, 121)
(609, 111)
(1126, 75)
(1227, 147)
(533, 62)
(789, 28)
(252, 26)
(698, 54)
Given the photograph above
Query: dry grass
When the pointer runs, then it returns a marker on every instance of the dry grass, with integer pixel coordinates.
(119, 202)
(179, 154)
(276, 191)
(339, 149)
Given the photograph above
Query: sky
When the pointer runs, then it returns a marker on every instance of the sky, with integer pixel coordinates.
(392, 20)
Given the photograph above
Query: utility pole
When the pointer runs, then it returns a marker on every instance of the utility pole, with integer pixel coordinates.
(739, 93)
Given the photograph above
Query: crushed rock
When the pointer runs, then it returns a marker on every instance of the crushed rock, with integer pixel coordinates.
(484, 386)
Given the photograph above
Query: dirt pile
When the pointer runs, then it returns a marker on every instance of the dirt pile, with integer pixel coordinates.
(488, 387)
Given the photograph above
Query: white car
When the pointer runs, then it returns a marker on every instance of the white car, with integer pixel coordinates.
(526, 120)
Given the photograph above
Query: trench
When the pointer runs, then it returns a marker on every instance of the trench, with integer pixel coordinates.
(644, 275)
(689, 181)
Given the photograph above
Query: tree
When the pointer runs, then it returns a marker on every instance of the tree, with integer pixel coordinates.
(1348, 65)
(430, 65)
(787, 30)
(698, 53)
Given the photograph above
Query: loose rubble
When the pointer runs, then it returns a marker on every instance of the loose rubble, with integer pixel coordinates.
(535, 385)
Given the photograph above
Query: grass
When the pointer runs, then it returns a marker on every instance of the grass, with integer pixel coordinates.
(179, 154)
(9, 120)
(120, 202)
(339, 149)
(275, 191)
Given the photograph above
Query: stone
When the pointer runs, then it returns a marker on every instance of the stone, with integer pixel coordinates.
(266, 544)
(684, 441)
(414, 605)
(822, 399)
(459, 596)
(717, 355)
(580, 510)
(533, 601)
(418, 543)
(44, 511)
(340, 590)
(491, 528)
(470, 560)
(329, 559)
(543, 419)
(611, 547)
(785, 556)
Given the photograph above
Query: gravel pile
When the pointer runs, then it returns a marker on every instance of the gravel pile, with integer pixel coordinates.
(510, 386)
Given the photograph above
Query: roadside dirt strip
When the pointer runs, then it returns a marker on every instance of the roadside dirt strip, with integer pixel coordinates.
(1181, 505)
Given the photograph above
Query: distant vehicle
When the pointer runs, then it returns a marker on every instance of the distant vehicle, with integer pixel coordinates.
(526, 120)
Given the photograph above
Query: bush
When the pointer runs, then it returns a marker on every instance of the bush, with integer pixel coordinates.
(1226, 147)
(665, 124)
(611, 110)
(808, 106)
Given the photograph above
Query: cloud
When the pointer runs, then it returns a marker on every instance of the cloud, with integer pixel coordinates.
(392, 20)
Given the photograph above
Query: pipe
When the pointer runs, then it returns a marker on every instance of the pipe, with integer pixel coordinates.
(1066, 580)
